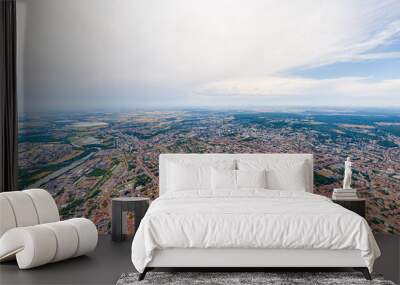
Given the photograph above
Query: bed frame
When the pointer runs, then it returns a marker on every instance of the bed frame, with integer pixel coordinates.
(245, 259)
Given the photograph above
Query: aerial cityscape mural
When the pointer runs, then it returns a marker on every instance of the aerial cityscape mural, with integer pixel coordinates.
(86, 159)
(102, 92)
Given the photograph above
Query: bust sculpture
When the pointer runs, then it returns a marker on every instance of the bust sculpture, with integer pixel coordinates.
(347, 174)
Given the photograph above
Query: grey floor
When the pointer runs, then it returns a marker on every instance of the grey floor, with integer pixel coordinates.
(110, 260)
(103, 266)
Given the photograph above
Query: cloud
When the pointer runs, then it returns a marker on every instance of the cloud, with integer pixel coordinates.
(391, 31)
(97, 53)
(360, 51)
(369, 56)
(353, 90)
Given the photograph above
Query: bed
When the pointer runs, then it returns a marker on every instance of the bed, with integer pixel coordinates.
(253, 210)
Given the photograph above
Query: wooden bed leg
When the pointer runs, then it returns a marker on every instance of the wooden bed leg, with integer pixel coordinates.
(364, 271)
(143, 274)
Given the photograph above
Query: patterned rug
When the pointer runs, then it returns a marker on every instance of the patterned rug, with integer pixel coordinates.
(269, 278)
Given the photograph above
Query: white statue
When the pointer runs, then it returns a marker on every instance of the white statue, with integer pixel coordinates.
(347, 174)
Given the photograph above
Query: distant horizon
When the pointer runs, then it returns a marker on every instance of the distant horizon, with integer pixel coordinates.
(266, 108)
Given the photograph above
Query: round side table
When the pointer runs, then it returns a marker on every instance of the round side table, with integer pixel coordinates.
(138, 205)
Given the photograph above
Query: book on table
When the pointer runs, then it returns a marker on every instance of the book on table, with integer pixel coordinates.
(341, 190)
(344, 194)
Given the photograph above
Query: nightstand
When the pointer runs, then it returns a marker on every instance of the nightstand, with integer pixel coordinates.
(138, 205)
(356, 205)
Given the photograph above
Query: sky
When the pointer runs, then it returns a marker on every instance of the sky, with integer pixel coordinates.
(126, 54)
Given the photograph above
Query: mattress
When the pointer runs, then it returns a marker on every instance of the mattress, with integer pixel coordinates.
(251, 219)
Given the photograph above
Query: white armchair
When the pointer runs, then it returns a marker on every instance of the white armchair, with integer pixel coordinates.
(31, 231)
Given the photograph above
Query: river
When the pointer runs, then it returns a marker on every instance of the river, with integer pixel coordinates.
(60, 171)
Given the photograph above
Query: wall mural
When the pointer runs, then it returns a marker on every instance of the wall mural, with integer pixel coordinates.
(103, 93)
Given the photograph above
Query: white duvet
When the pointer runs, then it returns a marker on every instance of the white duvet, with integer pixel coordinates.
(250, 219)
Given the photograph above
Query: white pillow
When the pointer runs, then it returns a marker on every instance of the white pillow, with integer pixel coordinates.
(185, 178)
(190, 174)
(251, 178)
(281, 174)
(223, 179)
